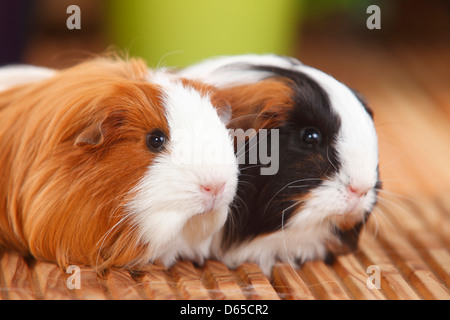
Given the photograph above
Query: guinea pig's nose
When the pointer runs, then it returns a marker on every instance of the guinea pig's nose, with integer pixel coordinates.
(213, 189)
(357, 191)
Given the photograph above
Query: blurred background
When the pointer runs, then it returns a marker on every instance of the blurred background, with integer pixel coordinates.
(403, 68)
(178, 33)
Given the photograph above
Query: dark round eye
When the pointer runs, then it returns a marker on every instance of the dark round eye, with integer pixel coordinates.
(156, 140)
(311, 135)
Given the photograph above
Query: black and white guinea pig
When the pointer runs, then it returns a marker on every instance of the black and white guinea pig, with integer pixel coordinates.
(326, 182)
(108, 164)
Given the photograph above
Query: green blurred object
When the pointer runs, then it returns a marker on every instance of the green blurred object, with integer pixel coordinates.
(181, 32)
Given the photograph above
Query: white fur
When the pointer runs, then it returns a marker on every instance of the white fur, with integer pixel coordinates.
(225, 71)
(21, 74)
(304, 236)
(169, 208)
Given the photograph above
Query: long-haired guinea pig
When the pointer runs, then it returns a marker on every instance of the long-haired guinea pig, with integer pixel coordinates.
(107, 164)
(326, 184)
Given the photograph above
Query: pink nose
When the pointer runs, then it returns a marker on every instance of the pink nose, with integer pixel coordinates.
(213, 189)
(357, 191)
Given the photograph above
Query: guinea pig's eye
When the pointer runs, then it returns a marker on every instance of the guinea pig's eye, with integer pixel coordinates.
(156, 140)
(310, 135)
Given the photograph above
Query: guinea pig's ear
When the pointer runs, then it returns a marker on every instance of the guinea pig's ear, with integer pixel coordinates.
(92, 135)
(95, 133)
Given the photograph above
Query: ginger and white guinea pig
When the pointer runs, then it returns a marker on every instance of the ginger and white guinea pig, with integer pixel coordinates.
(107, 164)
(326, 184)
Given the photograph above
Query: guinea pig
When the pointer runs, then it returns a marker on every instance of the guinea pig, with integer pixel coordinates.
(107, 164)
(326, 184)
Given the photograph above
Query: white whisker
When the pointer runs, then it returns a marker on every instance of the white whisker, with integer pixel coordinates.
(249, 167)
(395, 194)
(393, 161)
(160, 62)
(107, 233)
(328, 157)
(290, 183)
(241, 117)
(283, 235)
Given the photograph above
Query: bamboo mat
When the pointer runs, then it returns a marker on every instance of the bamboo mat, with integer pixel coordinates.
(407, 237)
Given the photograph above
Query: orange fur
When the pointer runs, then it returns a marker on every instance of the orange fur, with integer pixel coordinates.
(73, 147)
(264, 104)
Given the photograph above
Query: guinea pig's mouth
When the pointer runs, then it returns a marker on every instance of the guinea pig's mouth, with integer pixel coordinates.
(352, 206)
(211, 204)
